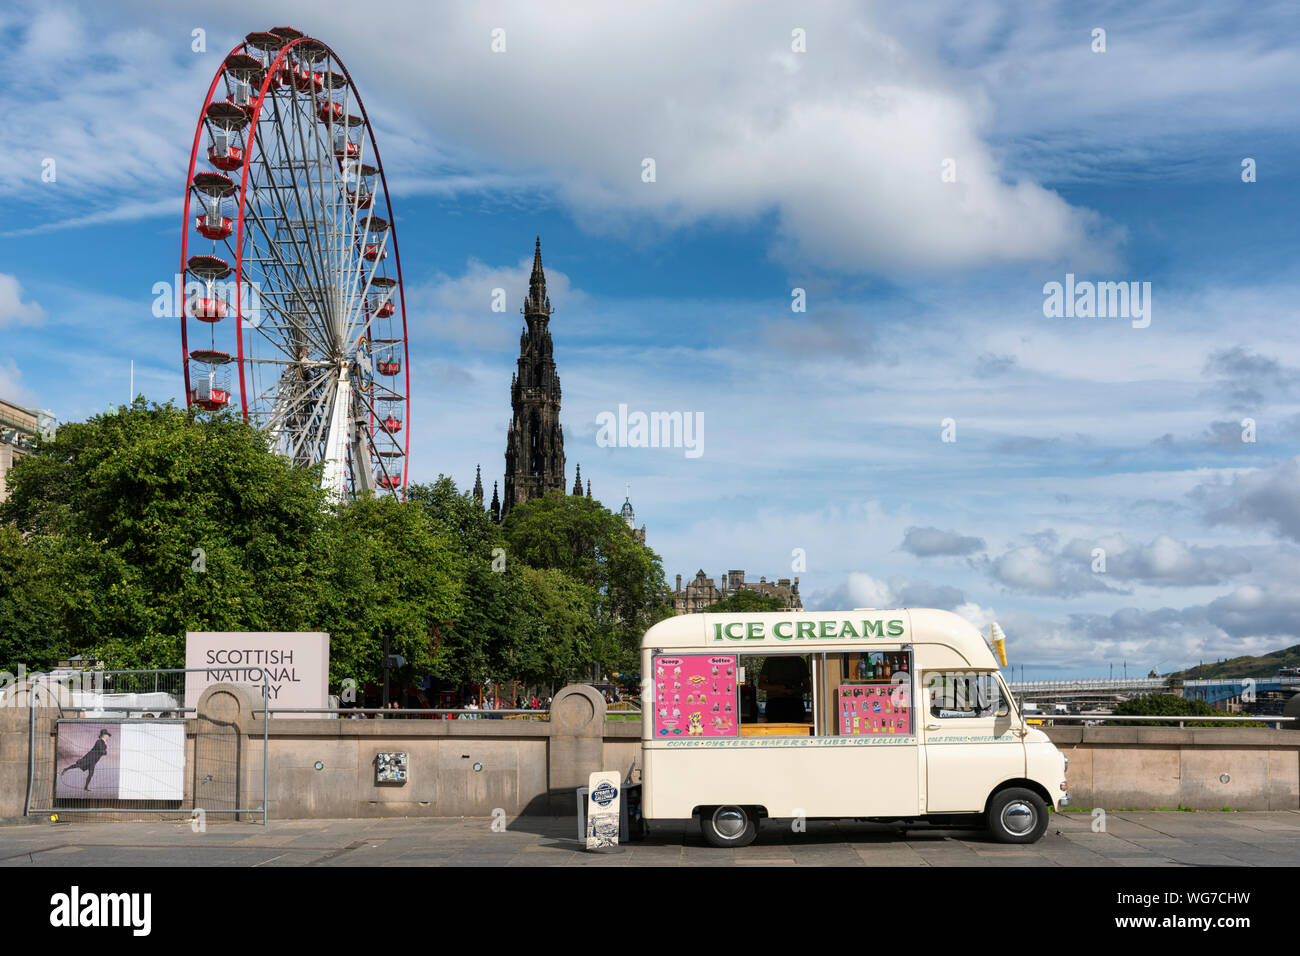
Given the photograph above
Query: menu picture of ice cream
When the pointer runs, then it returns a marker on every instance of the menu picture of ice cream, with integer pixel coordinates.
(695, 697)
(873, 710)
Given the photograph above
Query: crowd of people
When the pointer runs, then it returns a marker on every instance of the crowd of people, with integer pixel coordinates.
(488, 703)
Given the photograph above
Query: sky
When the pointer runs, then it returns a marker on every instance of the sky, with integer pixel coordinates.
(842, 267)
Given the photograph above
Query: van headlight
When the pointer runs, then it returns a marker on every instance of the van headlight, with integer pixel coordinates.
(1067, 762)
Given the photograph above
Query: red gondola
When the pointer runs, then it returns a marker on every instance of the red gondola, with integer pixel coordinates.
(391, 425)
(207, 310)
(390, 367)
(228, 158)
(212, 189)
(209, 398)
(211, 227)
(210, 356)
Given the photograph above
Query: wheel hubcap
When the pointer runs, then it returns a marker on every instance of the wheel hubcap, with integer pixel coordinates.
(1018, 817)
(729, 822)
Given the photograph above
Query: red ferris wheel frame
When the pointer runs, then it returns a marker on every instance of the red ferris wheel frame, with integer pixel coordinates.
(252, 142)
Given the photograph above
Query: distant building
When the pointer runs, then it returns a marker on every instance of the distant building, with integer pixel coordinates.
(19, 429)
(535, 441)
(535, 462)
(629, 516)
(700, 594)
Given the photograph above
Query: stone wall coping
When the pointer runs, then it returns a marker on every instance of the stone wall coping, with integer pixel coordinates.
(1176, 736)
(393, 727)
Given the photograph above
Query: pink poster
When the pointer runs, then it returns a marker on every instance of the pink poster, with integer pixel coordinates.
(874, 709)
(695, 697)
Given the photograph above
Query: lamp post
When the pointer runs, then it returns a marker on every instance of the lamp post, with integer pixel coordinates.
(384, 666)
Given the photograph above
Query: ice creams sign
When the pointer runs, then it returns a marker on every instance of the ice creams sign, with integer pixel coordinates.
(849, 629)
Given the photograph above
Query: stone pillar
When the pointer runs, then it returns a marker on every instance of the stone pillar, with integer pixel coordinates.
(577, 743)
(227, 775)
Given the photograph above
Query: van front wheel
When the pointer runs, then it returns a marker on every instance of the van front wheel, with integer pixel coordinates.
(728, 826)
(1017, 816)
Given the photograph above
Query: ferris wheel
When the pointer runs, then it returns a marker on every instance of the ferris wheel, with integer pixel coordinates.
(294, 311)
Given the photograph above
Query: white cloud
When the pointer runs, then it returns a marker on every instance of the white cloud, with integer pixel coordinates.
(13, 310)
(11, 386)
(842, 146)
(459, 308)
(1268, 497)
(929, 542)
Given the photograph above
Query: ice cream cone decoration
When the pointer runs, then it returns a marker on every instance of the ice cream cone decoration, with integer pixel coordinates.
(999, 642)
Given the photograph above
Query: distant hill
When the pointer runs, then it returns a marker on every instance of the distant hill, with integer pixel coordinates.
(1257, 667)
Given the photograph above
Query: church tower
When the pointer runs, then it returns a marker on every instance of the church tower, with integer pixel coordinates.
(535, 442)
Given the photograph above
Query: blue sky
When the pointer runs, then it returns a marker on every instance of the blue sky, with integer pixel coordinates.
(777, 170)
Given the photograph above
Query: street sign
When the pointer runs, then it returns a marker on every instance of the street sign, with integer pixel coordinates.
(603, 800)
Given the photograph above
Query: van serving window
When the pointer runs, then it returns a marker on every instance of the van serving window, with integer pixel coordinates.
(868, 694)
(964, 694)
(776, 695)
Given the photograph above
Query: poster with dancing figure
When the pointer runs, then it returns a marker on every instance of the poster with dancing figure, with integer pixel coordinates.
(120, 760)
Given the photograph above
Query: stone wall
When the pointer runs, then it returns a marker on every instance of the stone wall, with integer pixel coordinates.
(1170, 767)
(533, 767)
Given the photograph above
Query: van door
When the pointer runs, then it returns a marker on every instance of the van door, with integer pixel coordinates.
(972, 737)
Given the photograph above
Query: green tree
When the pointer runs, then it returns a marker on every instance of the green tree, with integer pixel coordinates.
(477, 645)
(150, 521)
(382, 569)
(29, 601)
(1171, 705)
(563, 641)
(595, 548)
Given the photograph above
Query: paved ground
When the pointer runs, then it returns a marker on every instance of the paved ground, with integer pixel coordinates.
(1131, 839)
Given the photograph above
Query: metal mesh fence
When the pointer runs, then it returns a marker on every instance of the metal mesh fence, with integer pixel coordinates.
(122, 744)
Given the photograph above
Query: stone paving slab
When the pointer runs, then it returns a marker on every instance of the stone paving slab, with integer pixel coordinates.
(1144, 838)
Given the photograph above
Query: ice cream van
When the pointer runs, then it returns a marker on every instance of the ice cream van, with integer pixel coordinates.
(890, 715)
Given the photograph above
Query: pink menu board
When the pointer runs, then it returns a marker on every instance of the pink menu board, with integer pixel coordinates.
(874, 709)
(696, 697)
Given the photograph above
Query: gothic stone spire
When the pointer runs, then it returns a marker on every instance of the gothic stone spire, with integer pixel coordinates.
(535, 441)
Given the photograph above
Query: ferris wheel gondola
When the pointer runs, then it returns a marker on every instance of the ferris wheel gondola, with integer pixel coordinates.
(294, 308)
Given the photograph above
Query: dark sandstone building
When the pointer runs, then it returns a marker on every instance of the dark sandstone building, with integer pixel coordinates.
(700, 594)
(535, 441)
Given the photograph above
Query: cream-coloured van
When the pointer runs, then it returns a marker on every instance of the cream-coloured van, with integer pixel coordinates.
(892, 715)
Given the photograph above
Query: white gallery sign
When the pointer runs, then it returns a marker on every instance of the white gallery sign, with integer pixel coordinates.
(294, 666)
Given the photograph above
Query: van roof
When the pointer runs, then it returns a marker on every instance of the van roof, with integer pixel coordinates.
(767, 632)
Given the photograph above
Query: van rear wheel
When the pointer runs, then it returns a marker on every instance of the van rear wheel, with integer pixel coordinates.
(1016, 816)
(728, 826)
